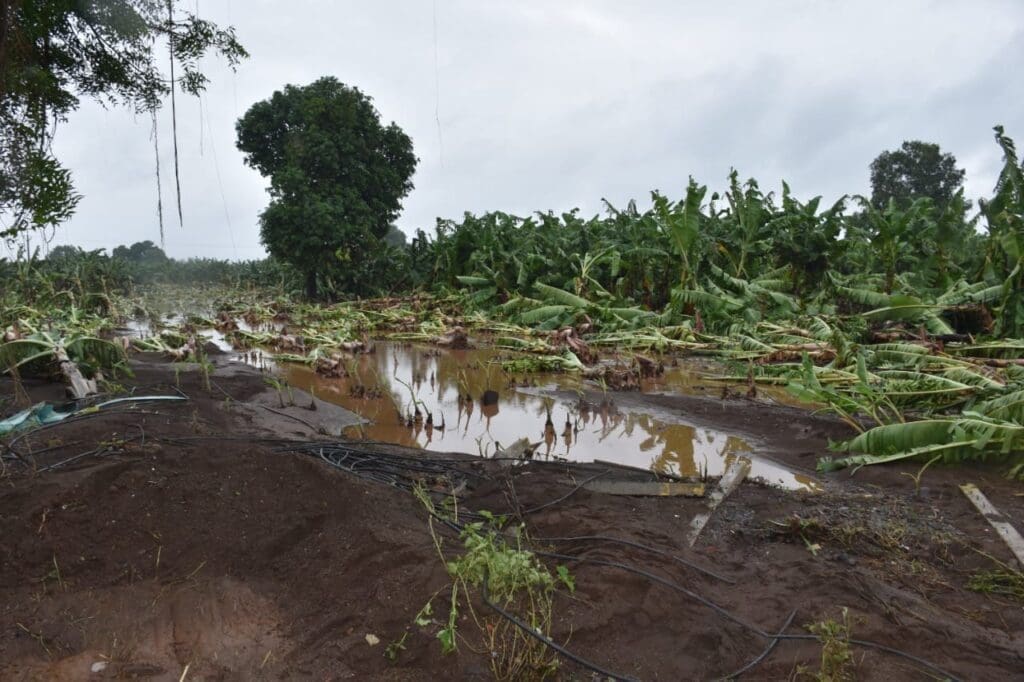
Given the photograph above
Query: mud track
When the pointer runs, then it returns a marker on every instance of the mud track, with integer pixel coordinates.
(195, 542)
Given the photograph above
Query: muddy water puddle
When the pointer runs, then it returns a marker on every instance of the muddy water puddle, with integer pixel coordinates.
(144, 329)
(468, 404)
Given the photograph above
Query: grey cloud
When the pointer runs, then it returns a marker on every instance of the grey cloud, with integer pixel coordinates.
(553, 105)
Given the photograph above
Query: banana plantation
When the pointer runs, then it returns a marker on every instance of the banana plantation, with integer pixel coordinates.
(722, 430)
(904, 320)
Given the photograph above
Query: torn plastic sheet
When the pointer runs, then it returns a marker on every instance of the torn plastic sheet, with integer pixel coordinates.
(42, 414)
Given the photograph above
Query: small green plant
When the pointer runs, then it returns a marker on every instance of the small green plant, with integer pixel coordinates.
(1003, 580)
(494, 557)
(837, 660)
(392, 650)
(205, 369)
(278, 386)
(916, 478)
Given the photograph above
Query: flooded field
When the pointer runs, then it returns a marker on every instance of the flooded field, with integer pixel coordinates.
(467, 403)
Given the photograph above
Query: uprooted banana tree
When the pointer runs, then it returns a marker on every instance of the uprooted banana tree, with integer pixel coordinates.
(70, 355)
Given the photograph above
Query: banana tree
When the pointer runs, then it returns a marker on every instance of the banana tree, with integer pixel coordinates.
(67, 353)
(806, 240)
(682, 222)
(898, 237)
(954, 235)
(1005, 217)
(746, 232)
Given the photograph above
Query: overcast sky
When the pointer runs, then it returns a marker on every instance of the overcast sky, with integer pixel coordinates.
(543, 104)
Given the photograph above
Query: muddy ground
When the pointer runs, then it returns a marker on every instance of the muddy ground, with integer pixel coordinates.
(192, 547)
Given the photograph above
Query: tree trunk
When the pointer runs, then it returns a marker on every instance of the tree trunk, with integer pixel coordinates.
(80, 386)
(311, 286)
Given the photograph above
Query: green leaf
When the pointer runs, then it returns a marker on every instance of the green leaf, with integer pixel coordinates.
(560, 296)
(473, 281)
(447, 639)
(893, 438)
(566, 578)
(543, 313)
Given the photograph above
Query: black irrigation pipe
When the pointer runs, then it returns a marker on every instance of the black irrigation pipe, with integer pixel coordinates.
(69, 420)
(97, 451)
(352, 446)
(547, 641)
(50, 449)
(216, 436)
(637, 545)
(742, 623)
(374, 467)
(569, 494)
(389, 461)
(372, 461)
(309, 425)
(764, 654)
(75, 458)
(375, 462)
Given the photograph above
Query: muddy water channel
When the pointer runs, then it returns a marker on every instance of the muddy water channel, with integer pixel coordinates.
(468, 404)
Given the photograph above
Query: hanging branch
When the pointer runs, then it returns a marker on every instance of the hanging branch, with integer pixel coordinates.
(174, 113)
(159, 191)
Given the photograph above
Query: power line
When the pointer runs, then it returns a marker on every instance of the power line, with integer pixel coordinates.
(220, 184)
(437, 94)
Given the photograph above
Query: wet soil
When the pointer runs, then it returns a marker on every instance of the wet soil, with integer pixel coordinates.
(191, 540)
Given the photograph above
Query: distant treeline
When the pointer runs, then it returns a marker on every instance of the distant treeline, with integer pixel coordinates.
(70, 268)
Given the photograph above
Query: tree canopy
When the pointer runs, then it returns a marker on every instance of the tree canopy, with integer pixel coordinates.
(140, 252)
(916, 170)
(337, 178)
(53, 53)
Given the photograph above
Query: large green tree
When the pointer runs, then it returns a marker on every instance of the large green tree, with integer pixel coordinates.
(55, 52)
(337, 179)
(916, 170)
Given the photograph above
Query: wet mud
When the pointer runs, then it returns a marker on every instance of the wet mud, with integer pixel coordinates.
(204, 550)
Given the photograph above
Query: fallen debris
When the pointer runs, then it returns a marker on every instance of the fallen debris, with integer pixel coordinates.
(1002, 525)
(730, 480)
(646, 488)
(455, 338)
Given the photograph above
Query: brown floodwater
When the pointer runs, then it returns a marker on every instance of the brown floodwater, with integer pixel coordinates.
(468, 404)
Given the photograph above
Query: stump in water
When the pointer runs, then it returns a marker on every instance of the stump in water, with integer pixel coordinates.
(455, 339)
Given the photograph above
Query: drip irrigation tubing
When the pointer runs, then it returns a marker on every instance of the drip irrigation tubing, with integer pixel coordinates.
(569, 494)
(637, 545)
(103, 449)
(727, 615)
(22, 456)
(116, 406)
(394, 469)
(547, 641)
(764, 654)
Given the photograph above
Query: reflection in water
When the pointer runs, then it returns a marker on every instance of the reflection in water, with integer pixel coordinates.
(460, 400)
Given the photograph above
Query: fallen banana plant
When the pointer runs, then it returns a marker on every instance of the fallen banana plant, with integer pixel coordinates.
(69, 355)
(971, 436)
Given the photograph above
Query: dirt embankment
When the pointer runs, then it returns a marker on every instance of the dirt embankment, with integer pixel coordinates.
(192, 541)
